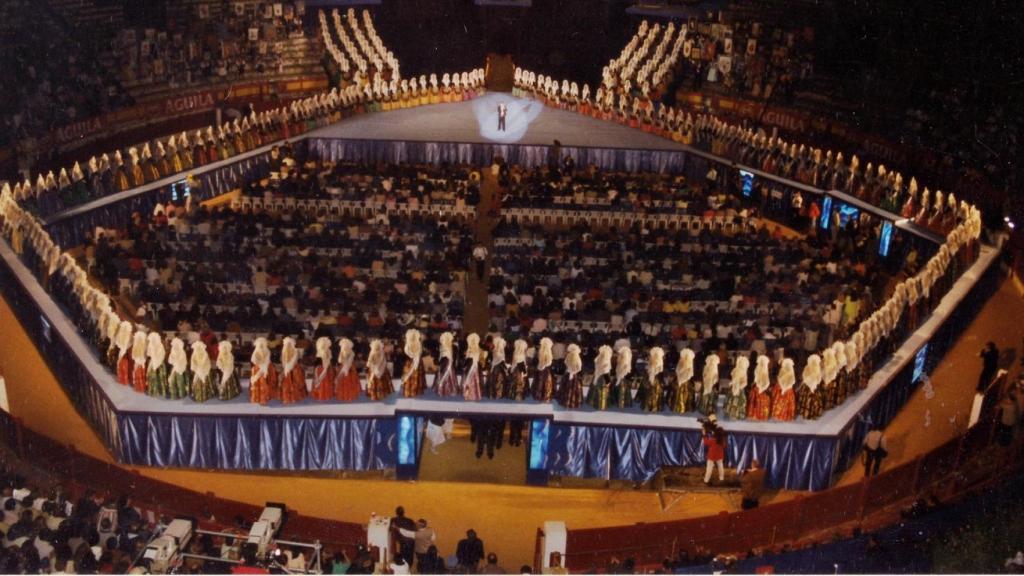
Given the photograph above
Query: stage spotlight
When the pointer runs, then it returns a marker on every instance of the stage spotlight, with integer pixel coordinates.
(520, 113)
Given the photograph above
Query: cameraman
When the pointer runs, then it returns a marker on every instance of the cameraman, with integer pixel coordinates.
(714, 442)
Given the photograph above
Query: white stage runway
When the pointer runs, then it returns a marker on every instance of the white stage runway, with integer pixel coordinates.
(528, 122)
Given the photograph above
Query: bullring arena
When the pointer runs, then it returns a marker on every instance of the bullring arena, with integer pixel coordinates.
(611, 324)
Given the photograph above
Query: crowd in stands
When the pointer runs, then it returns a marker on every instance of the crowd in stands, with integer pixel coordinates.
(58, 81)
(243, 38)
(270, 289)
(45, 532)
(743, 58)
(748, 59)
(823, 169)
(294, 272)
(752, 287)
(49, 527)
(794, 264)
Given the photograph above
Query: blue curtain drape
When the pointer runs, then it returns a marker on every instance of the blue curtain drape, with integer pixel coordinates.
(335, 149)
(792, 462)
(268, 443)
(580, 451)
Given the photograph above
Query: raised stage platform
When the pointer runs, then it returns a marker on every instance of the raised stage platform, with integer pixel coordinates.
(529, 123)
(367, 435)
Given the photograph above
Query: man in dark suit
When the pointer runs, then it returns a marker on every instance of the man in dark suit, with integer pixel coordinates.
(502, 113)
(470, 551)
(404, 532)
(752, 485)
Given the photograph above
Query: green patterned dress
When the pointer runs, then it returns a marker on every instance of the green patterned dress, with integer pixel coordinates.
(203, 388)
(156, 381)
(228, 384)
(177, 384)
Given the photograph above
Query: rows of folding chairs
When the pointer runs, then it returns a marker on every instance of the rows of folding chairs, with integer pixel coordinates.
(673, 222)
(362, 209)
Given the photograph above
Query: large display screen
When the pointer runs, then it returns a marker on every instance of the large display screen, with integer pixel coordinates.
(746, 183)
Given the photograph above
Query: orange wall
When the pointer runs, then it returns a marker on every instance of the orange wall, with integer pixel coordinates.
(34, 394)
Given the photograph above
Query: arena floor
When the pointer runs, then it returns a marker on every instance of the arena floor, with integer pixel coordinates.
(505, 516)
(476, 121)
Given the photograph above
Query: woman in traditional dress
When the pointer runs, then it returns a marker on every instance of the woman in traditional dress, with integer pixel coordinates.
(323, 373)
(202, 381)
(709, 386)
(544, 377)
(293, 376)
(497, 375)
(111, 354)
(124, 356)
(102, 340)
(652, 388)
(680, 396)
(784, 399)
(842, 379)
(139, 363)
(263, 375)
(760, 399)
(346, 382)
(811, 402)
(471, 389)
(829, 370)
(178, 379)
(854, 368)
(156, 369)
(228, 386)
(446, 383)
(378, 378)
(625, 383)
(600, 391)
(570, 392)
(414, 377)
(869, 349)
(519, 373)
(913, 297)
(736, 403)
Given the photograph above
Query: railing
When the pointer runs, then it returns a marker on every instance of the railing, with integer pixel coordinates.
(156, 498)
(936, 472)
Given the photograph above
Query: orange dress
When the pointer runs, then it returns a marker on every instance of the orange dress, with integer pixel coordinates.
(124, 369)
(346, 383)
(293, 384)
(783, 404)
(139, 376)
(263, 386)
(323, 382)
(759, 404)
